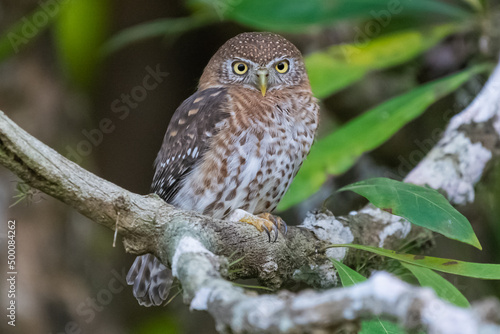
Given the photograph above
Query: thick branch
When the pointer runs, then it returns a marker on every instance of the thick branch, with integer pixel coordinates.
(382, 295)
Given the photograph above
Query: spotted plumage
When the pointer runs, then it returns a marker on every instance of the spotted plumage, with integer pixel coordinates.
(186, 140)
(236, 143)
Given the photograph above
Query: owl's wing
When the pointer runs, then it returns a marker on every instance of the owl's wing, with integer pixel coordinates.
(187, 138)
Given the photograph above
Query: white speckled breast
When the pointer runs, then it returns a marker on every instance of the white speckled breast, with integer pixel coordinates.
(254, 157)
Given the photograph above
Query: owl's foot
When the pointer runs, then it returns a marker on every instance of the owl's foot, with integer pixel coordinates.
(278, 223)
(262, 222)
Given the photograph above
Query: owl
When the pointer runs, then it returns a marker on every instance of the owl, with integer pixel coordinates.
(235, 144)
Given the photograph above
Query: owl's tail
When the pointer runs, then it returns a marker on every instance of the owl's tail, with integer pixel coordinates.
(151, 280)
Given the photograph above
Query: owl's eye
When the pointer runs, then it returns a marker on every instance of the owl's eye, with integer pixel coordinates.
(282, 66)
(240, 68)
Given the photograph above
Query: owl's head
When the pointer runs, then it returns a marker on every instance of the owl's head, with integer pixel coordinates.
(256, 60)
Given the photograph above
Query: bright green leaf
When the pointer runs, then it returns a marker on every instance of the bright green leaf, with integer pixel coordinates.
(444, 289)
(342, 65)
(421, 206)
(350, 277)
(297, 15)
(337, 152)
(469, 269)
(377, 326)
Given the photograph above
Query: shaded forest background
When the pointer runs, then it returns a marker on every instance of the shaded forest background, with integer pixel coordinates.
(70, 277)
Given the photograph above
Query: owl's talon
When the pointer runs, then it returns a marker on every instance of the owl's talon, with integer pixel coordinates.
(277, 222)
(285, 227)
(275, 230)
(265, 230)
(280, 223)
(262, 222)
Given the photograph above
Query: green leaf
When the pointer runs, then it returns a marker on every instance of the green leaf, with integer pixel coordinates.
(347, 275)
(297, 15)
(337, 152)
(421, 206)
(171, 27)
(456, 267)
(350, 277)
(380, 326)
(341, 65)
(444, 289)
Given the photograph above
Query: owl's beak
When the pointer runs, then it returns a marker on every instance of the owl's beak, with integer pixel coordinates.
(263, 75)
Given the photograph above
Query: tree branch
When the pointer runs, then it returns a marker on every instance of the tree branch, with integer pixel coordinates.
(382, 295)
(189, 241)
(469, 143)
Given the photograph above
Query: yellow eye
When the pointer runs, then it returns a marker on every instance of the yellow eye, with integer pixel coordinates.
(282, 66)
(240, 68)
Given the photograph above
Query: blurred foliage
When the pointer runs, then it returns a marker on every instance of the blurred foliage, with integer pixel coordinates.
(80, 29)
(169, 28)
(81, 26)
(29, 27)
(297, 15)
(349, 63)
(166, 324)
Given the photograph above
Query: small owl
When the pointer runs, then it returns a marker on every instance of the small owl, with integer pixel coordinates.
(235, 144)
